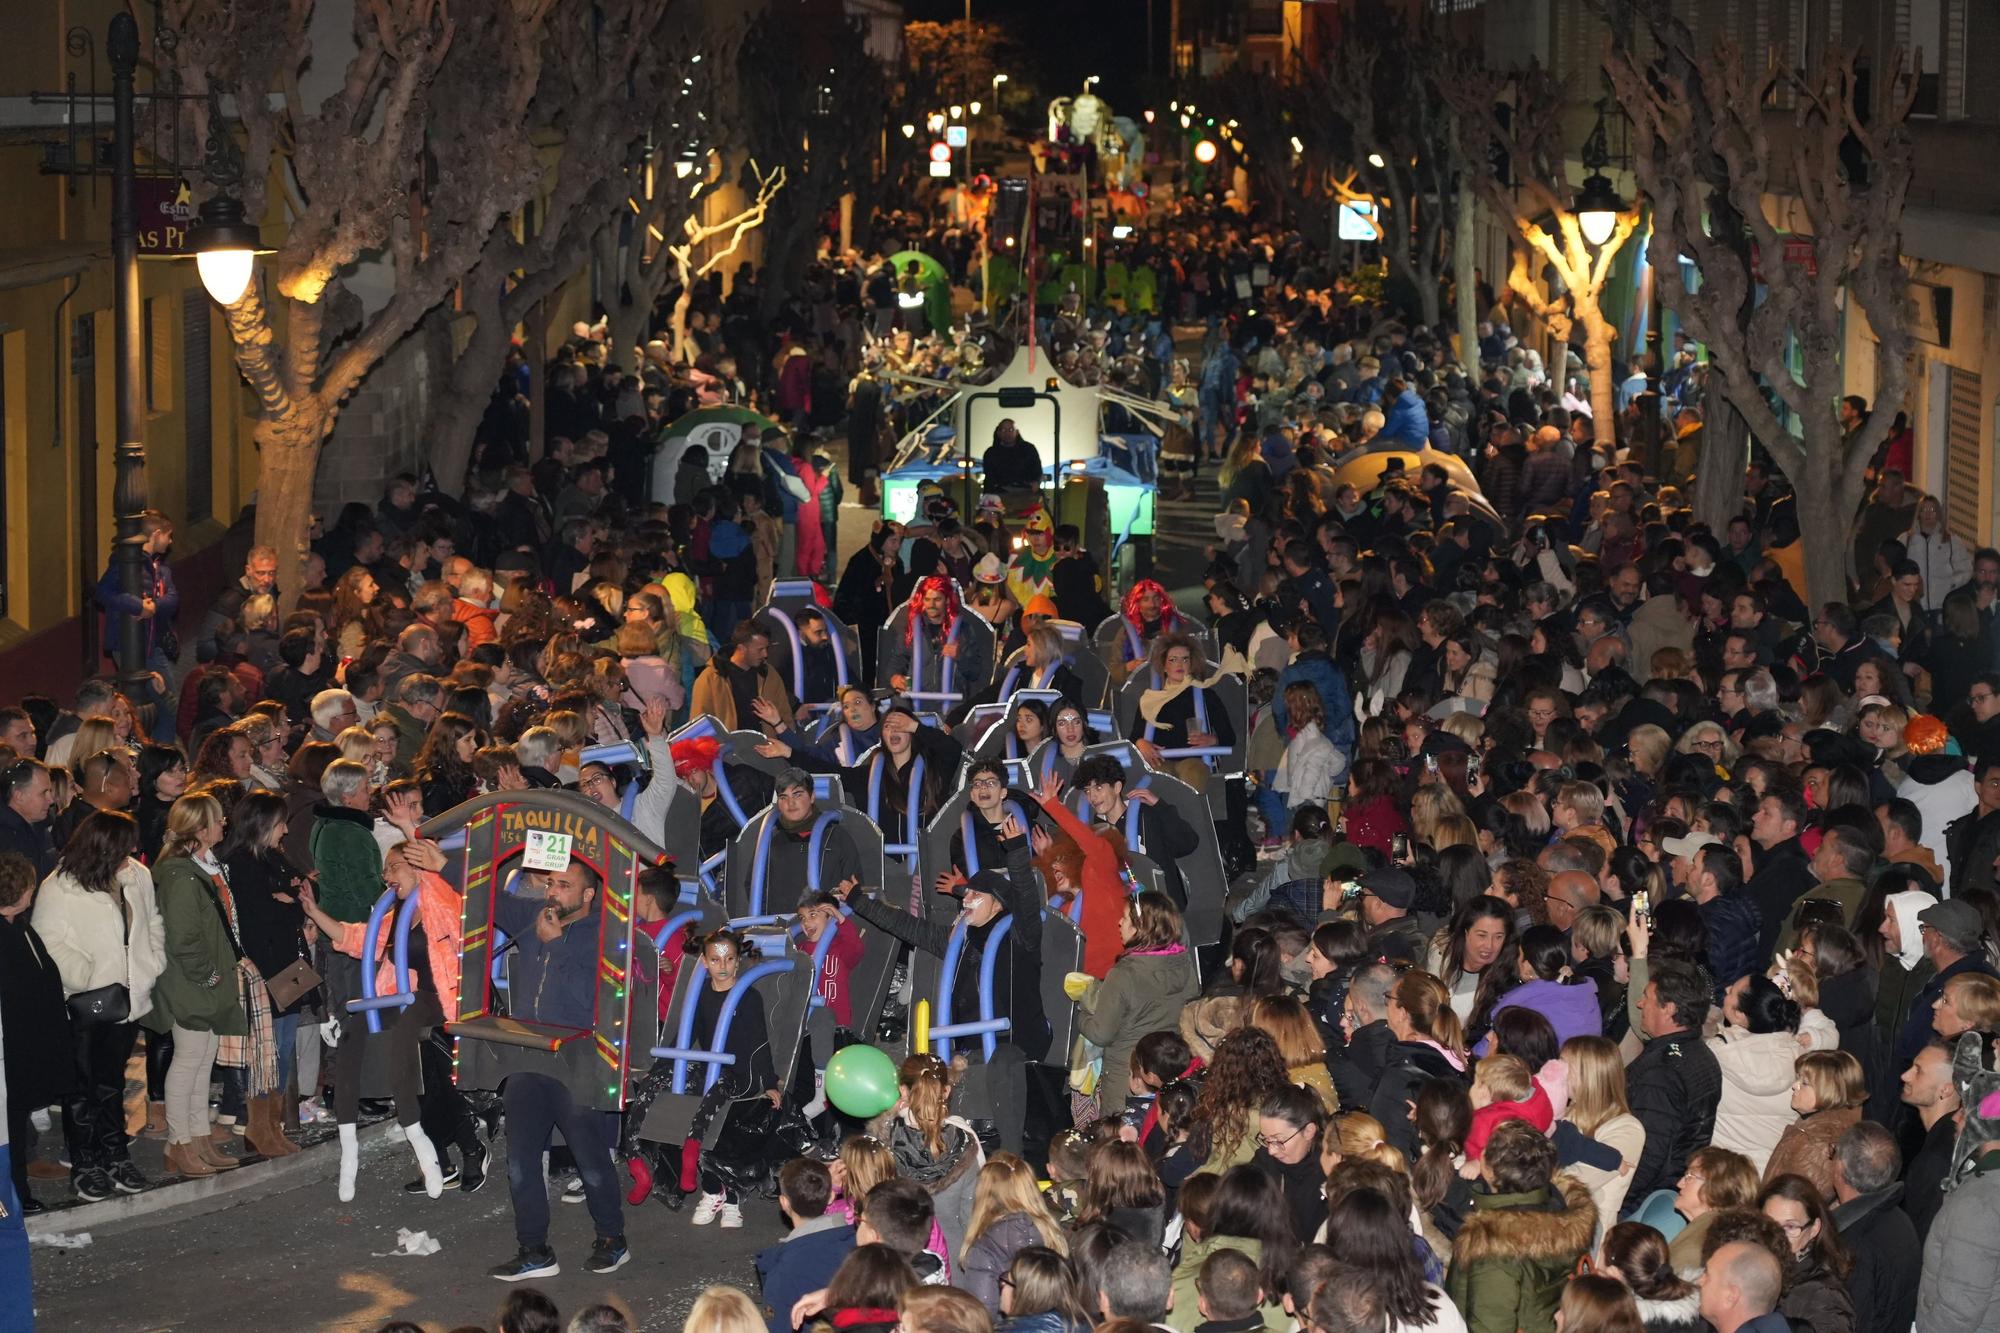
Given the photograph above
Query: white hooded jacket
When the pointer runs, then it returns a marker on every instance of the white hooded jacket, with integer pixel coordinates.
(1756, 1105)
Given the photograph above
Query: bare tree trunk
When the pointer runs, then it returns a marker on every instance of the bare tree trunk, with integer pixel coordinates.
(288, 452)
(625, 328)
(1428, 302)
(1597, 339)
(1463, 252)
(1725, 450)
(454, 423)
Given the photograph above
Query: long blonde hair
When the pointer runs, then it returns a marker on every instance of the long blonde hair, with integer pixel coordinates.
(1429, 805)
(186, 819)
(1006, 1186)
(1596, 1082)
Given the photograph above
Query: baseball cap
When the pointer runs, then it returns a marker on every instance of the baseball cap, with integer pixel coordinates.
(1688, 843)
(1955, 919)
(1392, 885)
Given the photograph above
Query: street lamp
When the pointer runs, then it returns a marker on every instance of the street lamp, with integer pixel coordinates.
(1597, 203)
(225, 245)
(909, 131)
(1375, 161)
(957, 111)
(973, 107)
(1204, 152)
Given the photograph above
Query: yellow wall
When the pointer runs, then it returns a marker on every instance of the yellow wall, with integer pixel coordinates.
(46, 460)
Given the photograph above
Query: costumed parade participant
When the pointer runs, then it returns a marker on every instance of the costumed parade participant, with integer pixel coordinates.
(1031, 568)
(1146, 613)
(942, 650)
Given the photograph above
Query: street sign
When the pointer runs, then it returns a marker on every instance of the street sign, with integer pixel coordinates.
(940, 152)
(940, 167)
(954, 135)
(1357, 221)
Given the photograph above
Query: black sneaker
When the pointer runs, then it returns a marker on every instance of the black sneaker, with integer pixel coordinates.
(573, 1191)
(527, 1264)
(473, 1173)
(417, 1186)
(125, 1178)
(92, 1184)
(33, 1207)
(607, 1254)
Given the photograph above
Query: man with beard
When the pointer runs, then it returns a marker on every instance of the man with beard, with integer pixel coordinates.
(730, 685)
(932, 612)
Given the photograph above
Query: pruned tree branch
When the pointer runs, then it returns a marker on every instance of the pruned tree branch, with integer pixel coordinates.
(1707, 158)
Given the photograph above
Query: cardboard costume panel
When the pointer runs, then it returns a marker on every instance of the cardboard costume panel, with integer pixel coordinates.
(1234, 695)
(486, 840)
(1201, 871)
(1079, 655)
(934, 685)
(783, 976)
(997, 738)
(1062, 953)
(752, 893)
(788, 654)
(1121, 650)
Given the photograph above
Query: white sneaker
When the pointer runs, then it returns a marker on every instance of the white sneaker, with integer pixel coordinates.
(711, 1207)
(732, 1217)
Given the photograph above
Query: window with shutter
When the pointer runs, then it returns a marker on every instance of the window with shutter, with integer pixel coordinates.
(1961, 458)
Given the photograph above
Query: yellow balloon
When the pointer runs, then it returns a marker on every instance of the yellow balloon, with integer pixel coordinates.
(920, 1028)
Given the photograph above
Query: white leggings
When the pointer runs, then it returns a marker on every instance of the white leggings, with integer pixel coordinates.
(187, 1083)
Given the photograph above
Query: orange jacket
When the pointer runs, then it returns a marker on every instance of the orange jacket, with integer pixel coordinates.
(478, 622)
(438, 910)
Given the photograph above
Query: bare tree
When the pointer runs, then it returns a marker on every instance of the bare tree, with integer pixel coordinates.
(698, 236)
(812, 97)
(411, 159)
(1384, 83)
(607, 102)
(1529, 139)
(1708, 162)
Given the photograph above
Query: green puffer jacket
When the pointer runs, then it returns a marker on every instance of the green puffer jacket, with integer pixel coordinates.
(198, 990)
(1514, 1253)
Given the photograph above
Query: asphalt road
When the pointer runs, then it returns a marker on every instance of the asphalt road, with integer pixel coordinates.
(299, 1259)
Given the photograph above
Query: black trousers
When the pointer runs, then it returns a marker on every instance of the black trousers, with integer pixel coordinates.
(94, 1114)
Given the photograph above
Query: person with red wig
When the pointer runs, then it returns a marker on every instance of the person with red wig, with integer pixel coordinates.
(951, 638)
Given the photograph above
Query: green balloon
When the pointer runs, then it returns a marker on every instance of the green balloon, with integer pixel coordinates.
(861, 1081)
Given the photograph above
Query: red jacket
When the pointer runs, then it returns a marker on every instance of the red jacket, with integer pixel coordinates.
(1537, 1111)
(1104, 891)
(842, 957)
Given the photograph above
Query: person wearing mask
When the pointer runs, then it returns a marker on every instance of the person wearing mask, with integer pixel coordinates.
(1675, 1083)
(1888, 1257)
(97, 916)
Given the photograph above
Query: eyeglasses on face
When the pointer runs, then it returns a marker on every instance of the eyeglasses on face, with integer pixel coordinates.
(1269, 1142)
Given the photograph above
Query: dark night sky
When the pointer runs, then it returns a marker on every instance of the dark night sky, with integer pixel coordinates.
(1065, 40)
